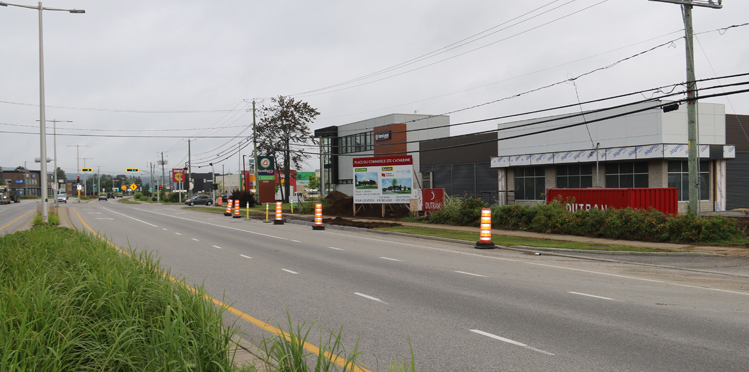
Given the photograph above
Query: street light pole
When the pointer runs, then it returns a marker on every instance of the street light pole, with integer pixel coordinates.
(42, 121)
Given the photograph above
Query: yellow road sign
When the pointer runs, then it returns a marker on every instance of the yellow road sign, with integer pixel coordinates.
(124, 188)
(133, 187)
(87, 170)
(132, 170)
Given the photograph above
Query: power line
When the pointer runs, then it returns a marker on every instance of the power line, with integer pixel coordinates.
(457, 55)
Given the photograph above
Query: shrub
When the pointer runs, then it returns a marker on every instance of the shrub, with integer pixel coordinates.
(448, 214)
(244, 197)
(138, 195)
(469, 212)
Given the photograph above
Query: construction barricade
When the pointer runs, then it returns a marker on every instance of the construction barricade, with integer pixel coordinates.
(279, 216)
(485, 236)
(318, 218)
(236, 209)
(228, 208)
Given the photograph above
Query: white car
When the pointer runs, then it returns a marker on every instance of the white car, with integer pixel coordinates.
(62, 197)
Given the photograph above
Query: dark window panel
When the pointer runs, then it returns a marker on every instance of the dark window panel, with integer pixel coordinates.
(641, 167)
(612, 181)
(641, 180)
(626, 168)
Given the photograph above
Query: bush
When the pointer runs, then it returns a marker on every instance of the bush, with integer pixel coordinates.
(244, 197)
(138, 195)
(628, 224)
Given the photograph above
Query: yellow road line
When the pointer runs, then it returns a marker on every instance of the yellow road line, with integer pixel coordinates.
(12, 222)
(257, 322)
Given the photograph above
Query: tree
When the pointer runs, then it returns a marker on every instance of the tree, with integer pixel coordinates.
(60, 174)
(314, 182)
(282, 132)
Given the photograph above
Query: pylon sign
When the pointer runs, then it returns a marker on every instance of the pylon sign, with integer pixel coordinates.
(178, 175)
(266, 168)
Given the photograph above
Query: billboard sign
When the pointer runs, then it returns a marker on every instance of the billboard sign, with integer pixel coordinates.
(383, 180)
(266, 168)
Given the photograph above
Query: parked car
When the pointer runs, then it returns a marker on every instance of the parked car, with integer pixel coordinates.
(199, 200)
(62, 198)
(103, 197)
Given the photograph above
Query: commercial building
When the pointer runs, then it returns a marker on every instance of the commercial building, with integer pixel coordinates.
(633, 146)
(391, 134)
(26, 182)
(737, 174)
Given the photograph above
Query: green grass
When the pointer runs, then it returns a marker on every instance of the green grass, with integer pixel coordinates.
(53, 220)
(127, 201)
(69, 302)
(509, 241)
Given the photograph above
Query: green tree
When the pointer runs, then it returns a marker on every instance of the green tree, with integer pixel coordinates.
(314, 182)
(61, 174)
(283, 131)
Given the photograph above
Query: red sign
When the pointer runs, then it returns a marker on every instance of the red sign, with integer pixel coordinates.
(433, 199)
(383, 160)
(178, 175)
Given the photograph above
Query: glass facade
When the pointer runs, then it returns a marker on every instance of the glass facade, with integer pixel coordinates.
(627, 175)
(575, 176)
(356, 143)
(530, 183)
(678, 176)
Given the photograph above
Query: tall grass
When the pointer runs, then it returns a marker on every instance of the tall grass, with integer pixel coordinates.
(68, 302)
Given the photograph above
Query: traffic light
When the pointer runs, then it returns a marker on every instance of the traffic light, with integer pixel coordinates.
(215, 186)
(78, 179)
(159, 187)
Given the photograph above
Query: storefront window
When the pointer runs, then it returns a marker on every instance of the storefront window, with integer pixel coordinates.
(678, 176)
(530, 183)
(627, 175)
(575, 176)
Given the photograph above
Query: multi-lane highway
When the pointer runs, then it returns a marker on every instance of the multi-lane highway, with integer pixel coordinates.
(13, 215)
(462, 309)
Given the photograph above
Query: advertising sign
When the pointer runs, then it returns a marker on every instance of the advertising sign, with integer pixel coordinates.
(266, 168)
(178, 175)
(431, 200)
(383, 180)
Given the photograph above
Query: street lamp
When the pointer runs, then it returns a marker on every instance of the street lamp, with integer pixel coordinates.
(42, 121)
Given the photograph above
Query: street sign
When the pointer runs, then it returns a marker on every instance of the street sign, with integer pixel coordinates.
(132, 170)
(86, 170)
(124, 188)
(133, 187)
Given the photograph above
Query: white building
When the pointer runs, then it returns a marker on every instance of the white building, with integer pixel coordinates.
(638, 146)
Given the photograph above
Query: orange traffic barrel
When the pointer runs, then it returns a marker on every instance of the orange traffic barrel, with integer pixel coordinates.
(279, 216)
(236, 210)
(228, 208)
(485, 237)
(318, 218)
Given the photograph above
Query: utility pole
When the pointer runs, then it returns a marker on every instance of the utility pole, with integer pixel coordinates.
(162, 169)
(693, 141)
(189, 170)
(254, 153)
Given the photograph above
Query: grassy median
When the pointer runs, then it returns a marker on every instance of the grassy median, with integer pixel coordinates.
(510, 241)
(69, 302)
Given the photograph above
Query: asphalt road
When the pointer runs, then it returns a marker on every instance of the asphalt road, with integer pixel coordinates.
(462, 309)
(13, 215)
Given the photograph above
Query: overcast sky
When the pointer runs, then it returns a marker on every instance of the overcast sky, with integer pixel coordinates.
(190, 68)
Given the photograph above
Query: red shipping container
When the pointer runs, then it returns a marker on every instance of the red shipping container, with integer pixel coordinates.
(665, 200)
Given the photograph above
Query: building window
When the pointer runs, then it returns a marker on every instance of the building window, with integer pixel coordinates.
(678, 176)
(627, 175)
(530, 183)
(368, 139)
(575, 176)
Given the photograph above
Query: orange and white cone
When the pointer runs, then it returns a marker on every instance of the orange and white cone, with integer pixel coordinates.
(236, 210)
(279, 216)
(485, 237)
(318, 218)
(228, 208)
